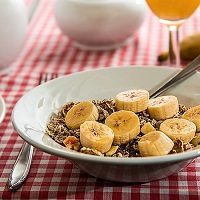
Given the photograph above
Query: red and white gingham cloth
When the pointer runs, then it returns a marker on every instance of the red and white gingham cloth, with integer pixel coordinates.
(51, 177)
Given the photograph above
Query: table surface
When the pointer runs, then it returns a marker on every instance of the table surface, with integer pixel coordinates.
(47, 50)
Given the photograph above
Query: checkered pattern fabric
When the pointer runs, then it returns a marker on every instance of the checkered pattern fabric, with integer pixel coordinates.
(47, 50)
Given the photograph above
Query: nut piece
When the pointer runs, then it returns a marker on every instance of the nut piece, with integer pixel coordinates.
(72, 142)
(89, 151)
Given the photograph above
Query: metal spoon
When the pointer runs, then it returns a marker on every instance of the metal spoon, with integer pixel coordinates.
(179, 77)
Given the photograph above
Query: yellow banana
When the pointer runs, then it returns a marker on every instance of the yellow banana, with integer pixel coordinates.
(112, 150)
(163, 107)
(146, 128)
(95, 135)
(196, 140)
(132, 100)
(81, 112)
(189, 48)
(155, 143)
(125, 125)
(181, 129)
(193, 115)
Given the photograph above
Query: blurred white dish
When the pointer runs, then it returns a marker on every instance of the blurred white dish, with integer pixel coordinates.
(2, 109)
(31, 115)
(99, 24)
(13, 28)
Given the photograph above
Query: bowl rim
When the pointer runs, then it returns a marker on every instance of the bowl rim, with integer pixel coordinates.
(101, 1)
(75, 156)
(3, 107)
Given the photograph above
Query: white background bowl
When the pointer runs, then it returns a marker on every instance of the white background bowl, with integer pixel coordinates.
(99, 24)
(13, 28)
(31, 115)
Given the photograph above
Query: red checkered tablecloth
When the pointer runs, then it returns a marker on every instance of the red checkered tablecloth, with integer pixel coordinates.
(47, 50)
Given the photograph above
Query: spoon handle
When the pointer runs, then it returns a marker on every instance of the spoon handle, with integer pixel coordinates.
(181, 76)
(21, 167)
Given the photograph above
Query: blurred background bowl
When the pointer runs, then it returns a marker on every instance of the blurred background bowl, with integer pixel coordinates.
(13, 29)
(99, 24)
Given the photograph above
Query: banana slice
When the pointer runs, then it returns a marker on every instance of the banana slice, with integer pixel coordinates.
(132, 100)
(181, 129)
(125, 125)
(163, 107)
(155, 143)
(95, 135)
(189, 48)
(147, 127)
(193, 115)
(81, 112)
(196, 140)
(112, 150)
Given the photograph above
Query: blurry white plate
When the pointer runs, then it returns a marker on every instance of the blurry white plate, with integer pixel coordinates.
(2, 109)
(31, 115)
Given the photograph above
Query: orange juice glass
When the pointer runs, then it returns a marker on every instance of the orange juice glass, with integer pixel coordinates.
(173, 13)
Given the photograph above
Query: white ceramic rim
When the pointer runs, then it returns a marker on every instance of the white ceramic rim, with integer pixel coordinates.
(2, 109)
(71, 155)
(101, 1)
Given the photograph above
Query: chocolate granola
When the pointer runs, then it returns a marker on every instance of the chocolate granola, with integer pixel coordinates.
(58, 131)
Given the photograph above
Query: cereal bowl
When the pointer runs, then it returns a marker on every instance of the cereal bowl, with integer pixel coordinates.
(32, 113)
(99, 24)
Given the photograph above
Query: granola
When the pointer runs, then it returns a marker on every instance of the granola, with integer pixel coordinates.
(58, 131)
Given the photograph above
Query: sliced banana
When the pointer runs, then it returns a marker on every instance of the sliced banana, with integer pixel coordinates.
(196, 140)
(193, 115)
(112, 150)
(155, 143)
(189, 48)
(132, 100)
(81, 112)
(125, 125)
(163, 107)
(147, 127)
(95, 135)
(181, 129)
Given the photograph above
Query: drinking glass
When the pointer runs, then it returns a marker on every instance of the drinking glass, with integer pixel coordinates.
(173, 13)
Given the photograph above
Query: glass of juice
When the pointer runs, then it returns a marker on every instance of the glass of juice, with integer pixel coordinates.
(173, 13)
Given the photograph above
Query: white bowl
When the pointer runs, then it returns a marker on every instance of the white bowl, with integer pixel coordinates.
(31, 115)
(2, 109)
(13, 28)
(99, 24)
